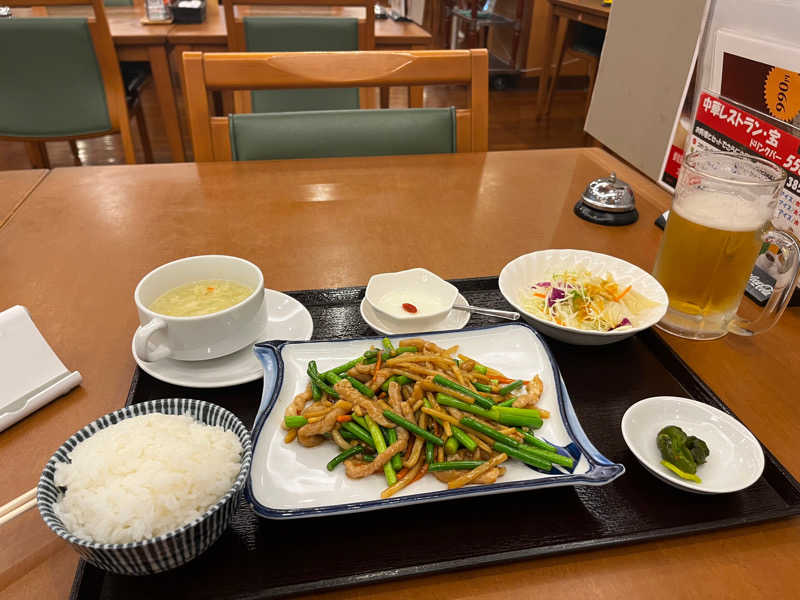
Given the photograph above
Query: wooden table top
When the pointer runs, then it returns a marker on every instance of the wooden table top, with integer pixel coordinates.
(126, 27)
(78, 245)
(214, 32)
(15, 187)
(594, 7)
(124, 22)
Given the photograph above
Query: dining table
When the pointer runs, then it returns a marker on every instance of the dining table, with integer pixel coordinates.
(594, 13)
(15, 186)
(82, 239)
(212, 33)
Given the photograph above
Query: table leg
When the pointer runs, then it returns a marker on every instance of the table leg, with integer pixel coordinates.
(37, 154)
(166, 100)
(177, 59)
(544, 78)
(559, 47)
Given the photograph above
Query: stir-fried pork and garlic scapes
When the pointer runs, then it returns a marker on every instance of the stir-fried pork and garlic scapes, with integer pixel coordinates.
(416, 408)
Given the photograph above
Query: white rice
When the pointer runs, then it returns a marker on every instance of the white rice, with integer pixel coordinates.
(145, 476)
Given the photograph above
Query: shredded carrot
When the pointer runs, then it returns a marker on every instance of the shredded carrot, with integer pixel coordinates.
(625, 291)
(402, 472)
(344, 418)
(408, 452)
(539, 295)
(377, 366)
(421, 473)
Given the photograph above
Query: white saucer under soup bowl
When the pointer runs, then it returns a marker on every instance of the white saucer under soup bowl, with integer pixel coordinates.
(736, 459)
(284, 319)
(520, 274)
(414, 299)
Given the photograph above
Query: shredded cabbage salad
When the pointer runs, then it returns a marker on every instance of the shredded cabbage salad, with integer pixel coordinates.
(582, 300)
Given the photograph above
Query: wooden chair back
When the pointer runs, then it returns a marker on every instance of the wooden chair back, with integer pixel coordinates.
(235, 24)
(108, 64)
(204, 73)
(237, 39)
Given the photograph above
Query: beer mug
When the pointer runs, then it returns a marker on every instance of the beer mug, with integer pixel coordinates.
(718, 225)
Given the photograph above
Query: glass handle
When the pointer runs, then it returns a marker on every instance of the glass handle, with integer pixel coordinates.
(780, 295)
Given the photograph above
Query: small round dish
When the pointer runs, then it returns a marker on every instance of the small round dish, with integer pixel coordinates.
(171, 549)
(520, 274)
(414, 298)
(455, 319)
(736, 460)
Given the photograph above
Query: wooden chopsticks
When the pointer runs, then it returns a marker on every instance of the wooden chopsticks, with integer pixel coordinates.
(18, 506)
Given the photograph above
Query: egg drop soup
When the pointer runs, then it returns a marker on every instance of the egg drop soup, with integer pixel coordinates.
(200, 298)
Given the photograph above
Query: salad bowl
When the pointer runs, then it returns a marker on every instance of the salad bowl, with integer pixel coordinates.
(519, 275)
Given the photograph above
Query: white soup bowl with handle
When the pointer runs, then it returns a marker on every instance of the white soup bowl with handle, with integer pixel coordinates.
(199, 337)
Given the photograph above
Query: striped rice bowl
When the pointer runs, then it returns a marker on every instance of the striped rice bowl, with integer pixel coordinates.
(170, 549)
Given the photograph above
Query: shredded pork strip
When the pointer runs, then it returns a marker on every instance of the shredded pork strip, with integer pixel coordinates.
(348, 392)
(396, 398)
(362, 372)
(297, 405)
(311, 435)
(356, 469)
(534, 389)
(418, 342)
(489, 477)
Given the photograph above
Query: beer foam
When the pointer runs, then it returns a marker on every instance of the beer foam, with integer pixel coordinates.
(719, 210)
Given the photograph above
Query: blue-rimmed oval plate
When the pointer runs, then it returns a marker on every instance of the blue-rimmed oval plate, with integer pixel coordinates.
(289, 481)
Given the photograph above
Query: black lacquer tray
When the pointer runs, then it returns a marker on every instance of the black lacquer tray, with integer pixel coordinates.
(259, 558)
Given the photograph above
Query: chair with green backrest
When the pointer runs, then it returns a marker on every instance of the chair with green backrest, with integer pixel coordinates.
(320, 26)
(324, 133)
(316, 134)
(68, 86)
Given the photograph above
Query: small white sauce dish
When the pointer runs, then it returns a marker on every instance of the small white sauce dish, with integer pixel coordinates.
(431, 296)
(736, 459)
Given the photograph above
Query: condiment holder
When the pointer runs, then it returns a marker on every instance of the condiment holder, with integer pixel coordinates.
(189, 11)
